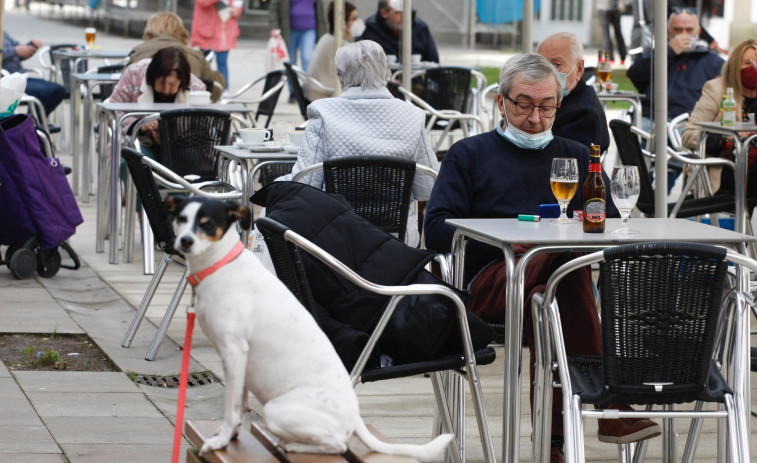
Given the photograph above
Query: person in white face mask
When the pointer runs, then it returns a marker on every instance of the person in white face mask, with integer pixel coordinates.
(322, 67)
(503, 173)
(581, 116)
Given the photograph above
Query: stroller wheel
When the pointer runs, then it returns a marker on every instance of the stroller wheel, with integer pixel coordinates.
(48, 262)
(8, 253)
(23, 263)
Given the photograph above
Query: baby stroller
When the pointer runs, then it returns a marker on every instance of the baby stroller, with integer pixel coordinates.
(38, 211)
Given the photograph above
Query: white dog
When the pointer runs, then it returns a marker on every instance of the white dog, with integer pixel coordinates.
(268, 342)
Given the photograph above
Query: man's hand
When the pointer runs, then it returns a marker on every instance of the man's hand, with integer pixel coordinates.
(36, 43)
(680, 43)
(25, 51)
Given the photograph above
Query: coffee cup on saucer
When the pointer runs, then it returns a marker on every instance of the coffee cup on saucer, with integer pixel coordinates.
(254, 136)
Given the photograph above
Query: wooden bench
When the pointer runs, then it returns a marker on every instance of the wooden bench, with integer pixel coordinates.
(257, 446)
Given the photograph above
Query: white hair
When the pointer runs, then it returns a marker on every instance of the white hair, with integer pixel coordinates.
(361, 64)
(576, 47)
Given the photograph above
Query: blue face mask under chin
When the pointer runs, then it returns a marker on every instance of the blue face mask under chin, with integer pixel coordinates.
(564, 80)
(525, 140)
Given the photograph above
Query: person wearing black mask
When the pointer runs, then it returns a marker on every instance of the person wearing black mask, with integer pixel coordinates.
(739, 73)
(164, 78)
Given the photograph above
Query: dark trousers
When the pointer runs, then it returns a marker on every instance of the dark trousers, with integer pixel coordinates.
(609, 18)
(48, 93)
(575, 297)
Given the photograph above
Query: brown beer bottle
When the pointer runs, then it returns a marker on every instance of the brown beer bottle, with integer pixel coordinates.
(594, 195)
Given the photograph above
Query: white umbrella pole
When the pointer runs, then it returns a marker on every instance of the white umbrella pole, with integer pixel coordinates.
(338, 35)
(660, 101)
(528, 26)
(407, 42)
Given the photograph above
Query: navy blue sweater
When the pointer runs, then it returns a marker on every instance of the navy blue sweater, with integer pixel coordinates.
(486, 176)
(687, 73)
(581, 117)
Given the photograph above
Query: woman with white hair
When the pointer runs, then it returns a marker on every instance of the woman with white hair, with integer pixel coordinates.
(366, 120)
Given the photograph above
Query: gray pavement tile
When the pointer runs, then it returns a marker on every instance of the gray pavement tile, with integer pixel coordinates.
(99, 453)
(16, 408)
(203, 402)
(13, 294)
(39, 458)
(26, 439)
(110, 430)
(4, 373)
(37, 317)
(116, 404)
(74, 381)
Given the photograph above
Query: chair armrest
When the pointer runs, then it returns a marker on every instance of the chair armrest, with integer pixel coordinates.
(395, 292)
(445, 114)
(307, 171)
(169, 179)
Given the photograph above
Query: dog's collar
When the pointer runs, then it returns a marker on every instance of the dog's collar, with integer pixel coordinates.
(195, 278)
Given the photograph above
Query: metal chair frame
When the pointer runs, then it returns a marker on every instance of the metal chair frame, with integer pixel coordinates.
(730, 339)
(684, 207)
(270, 95)
(148, 174)
(450, 407)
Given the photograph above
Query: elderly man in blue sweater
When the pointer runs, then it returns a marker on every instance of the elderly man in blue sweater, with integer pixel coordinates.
(503, 173)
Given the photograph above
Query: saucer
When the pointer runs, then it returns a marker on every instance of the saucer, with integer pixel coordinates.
(292, 149)
(239, 144)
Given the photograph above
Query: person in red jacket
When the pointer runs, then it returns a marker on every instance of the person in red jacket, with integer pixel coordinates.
(215, 27)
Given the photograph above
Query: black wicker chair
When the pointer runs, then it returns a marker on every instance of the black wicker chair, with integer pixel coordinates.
(268, 171)
(663, 318)
(188, 139)
(630, 153)
(152, 206)
(377, 187)
(146, 174)
(285, 248)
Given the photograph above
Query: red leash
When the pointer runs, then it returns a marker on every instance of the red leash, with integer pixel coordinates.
(183, 378)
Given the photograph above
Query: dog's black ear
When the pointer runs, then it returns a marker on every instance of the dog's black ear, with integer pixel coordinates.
(172, 204)
(240, 213)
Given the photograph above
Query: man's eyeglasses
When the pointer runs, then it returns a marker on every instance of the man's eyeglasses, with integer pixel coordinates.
(524, 109)
(680, 9)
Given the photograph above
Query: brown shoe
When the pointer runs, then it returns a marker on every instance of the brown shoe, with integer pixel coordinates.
(556, 456)
(626, 430)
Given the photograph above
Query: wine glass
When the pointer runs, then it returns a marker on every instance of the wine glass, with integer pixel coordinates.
(624, 187)
(563, 179)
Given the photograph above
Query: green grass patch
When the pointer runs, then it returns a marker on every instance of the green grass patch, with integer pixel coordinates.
(619, 77)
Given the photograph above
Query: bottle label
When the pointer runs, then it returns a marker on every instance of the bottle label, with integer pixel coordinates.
(595, 167)
(594, 210)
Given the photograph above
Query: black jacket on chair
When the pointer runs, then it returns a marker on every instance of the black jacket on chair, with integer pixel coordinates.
(422, 327)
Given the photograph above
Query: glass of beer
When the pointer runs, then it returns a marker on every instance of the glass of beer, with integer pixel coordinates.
(564, 182)
(604, 73)
(89, 34)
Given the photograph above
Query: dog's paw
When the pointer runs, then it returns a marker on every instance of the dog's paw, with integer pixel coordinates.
(223, 436)
(214, 443)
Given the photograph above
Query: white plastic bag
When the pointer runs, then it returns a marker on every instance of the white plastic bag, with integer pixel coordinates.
(276, 53)
(258, 247)
(11, 90)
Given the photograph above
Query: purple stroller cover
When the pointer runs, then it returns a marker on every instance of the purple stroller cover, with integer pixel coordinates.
(35, 197)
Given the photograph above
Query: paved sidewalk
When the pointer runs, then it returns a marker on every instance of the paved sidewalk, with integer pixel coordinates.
(95, 417)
